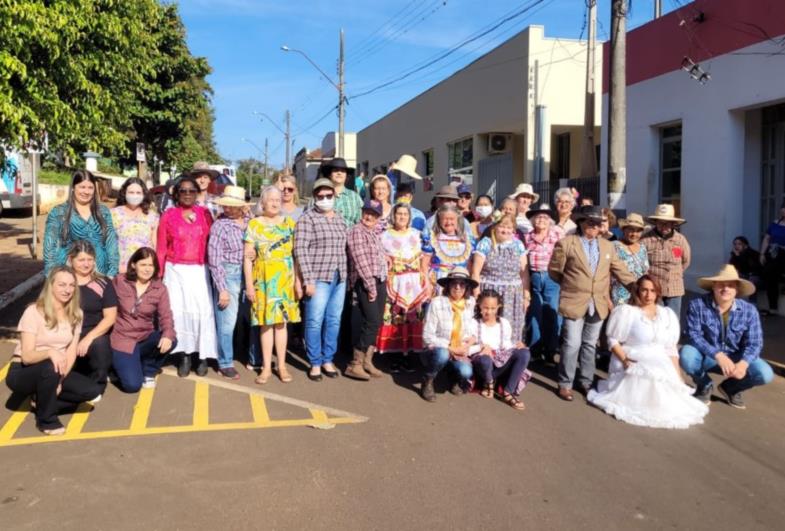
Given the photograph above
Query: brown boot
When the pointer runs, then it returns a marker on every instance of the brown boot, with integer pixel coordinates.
(355, 368)
(368, 363)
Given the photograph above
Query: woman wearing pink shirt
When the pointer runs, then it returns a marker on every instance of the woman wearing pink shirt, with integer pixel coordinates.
(182, 255)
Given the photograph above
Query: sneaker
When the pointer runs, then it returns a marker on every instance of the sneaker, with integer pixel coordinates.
(733, 399)
(704, 395)
(230, 373)
(149, 382)
(95, 400)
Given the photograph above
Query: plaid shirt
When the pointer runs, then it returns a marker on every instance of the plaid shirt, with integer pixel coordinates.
(349, 205)
(438, 322)
(225, 246)
(540, 252)
(320, 247)
(741, 339)
(669, 258)
(367, 258)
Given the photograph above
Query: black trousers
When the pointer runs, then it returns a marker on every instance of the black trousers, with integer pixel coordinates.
(97, 362)
(368, 315)
(41, 380)
(772, 270)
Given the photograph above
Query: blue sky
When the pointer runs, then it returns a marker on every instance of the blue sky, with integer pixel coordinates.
(384, 38)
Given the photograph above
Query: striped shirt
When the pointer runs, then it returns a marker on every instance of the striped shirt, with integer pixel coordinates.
(669, 258)
(320, 246)
(540, 251)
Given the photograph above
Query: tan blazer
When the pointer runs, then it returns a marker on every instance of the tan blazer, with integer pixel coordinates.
(569, 267)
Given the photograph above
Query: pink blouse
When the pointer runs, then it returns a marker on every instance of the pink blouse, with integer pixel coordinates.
(181, 242)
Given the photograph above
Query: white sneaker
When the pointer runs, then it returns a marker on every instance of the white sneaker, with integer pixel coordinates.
(149, 382)
(95, 400)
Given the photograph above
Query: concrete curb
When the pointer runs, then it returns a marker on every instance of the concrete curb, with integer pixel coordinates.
(21, 290)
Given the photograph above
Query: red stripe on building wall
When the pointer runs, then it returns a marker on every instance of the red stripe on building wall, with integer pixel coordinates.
(726, 25)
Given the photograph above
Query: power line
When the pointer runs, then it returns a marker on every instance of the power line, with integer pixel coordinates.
(370, 36)
(317, 122)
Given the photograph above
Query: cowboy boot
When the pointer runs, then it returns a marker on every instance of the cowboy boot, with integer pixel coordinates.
(355, 368)
(427, 391)
(368, 363)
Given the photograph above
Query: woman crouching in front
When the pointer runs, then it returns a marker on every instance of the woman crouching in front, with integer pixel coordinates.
(46, 353)
(447, 333)
(144, 330)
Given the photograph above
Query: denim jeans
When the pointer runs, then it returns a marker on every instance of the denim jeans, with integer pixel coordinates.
(674, 303)
(437, 359)
(323, 320)
(579, 336)
(543, 319)
(697, 366)
(145, 360)
(226, 319)
(513, 369)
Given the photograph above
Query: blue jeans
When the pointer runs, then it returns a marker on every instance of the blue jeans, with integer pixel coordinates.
(513, 369)
(437, 359)
(579, 337)
(226, 319)
(674, 303)
(543, 319)
(323, 320)
(145, 360)
(697, 366)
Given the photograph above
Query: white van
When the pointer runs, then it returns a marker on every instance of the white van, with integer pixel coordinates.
(16, 181)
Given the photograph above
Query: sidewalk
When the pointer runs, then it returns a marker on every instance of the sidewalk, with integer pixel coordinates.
(16, 237)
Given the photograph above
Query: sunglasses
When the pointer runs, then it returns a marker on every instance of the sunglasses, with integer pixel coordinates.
(324, 196)
(458, 284)
(593, 223)
(186, 191)
(465, 196)
(290, 190)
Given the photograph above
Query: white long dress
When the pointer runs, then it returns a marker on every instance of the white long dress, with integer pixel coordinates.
(650, 392)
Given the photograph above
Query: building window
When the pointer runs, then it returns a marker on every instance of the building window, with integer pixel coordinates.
(460, 156)
(670, 166)
(427, 158)
(563, 156)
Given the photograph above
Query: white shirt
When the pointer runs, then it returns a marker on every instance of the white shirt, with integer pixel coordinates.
(491, 336)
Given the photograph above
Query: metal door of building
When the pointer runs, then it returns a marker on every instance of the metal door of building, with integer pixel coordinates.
(495, 177)
(772, 164)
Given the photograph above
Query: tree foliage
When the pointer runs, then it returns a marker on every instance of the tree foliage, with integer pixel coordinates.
(102, 75)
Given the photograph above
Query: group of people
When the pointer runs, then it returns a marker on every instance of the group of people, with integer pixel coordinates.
(472, 290)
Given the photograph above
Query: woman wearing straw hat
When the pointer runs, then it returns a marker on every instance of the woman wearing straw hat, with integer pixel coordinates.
(447, 333)
(724, 336)
(225, 259)
(182, 255)
(204, 175)
(524, 198)
(632, 253)
(669, 254)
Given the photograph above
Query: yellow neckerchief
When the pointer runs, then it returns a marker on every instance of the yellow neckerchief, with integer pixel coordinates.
(456, 336)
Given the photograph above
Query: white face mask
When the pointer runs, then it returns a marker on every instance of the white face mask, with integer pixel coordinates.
(325, 205)
(134, 199)
(484, 210)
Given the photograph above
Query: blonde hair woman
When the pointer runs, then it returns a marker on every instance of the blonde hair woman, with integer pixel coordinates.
(380, 190)
(42, 362)
(290, 197)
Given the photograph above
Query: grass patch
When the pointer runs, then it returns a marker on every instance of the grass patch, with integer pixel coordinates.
(54, 177)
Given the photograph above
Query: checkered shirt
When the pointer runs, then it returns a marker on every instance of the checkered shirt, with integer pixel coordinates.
(367, 262)
(669, 258)
(540, 252)
(741, 339)
(320, 247)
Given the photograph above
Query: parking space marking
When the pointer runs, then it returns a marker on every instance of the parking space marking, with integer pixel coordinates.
(4, 371)
(318, 416)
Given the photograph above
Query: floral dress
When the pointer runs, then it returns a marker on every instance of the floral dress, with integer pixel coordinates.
(637, 264)
(403, 316)
(447, 252)
(133, 232)
(273, 272)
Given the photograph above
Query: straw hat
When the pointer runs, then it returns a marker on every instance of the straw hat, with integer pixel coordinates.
(201, 167)
(323, 182)
(232, 196)
(633, 220)
(666, 212)
(524, 188)
(407, 164)
(458, 273)
(447, 192)
(728, 273)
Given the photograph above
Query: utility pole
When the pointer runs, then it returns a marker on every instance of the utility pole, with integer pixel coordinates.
(657, 8)
(288, 136)
(341, 110)
(264, 177)
(617, 109)
(589, 157)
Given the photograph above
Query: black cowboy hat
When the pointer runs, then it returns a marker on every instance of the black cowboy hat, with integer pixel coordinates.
(588, 213)
(337, 163)
(543, 208)
(459, 273)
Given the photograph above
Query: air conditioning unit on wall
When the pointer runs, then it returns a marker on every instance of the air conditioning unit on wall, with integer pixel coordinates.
(499, 143)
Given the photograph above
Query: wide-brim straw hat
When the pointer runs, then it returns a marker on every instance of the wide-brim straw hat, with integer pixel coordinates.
(232, 196)
(458, 273)
(524, 188)
(728, 273)
(447, 192)
(543, 208)
(407, 164)
(632, 220)
(201, 167)
(665, 212)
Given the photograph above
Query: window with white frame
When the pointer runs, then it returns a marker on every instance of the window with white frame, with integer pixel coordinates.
(460, 158)
(670, 166)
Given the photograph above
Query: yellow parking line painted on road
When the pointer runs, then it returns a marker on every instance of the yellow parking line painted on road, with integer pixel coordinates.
(4, 371)
(13, 423)
(142, 410)
(260, 415)
(78, 419)
(319, 416)
(202, 404)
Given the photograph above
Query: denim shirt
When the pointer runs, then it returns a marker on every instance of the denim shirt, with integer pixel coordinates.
(742, 339)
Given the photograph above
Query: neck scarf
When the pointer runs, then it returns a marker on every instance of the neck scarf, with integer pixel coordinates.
(456, 336)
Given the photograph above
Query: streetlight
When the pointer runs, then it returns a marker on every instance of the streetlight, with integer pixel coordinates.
(286, 134)
(339, 86)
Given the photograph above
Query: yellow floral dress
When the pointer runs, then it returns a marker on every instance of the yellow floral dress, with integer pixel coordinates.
(273, 272)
